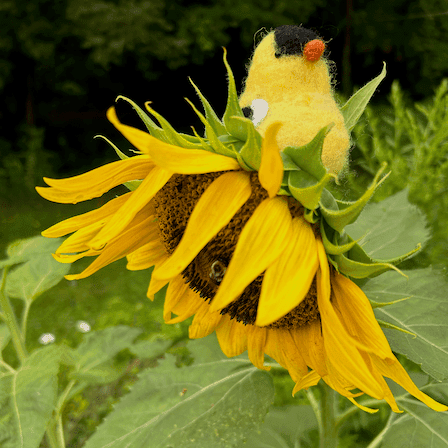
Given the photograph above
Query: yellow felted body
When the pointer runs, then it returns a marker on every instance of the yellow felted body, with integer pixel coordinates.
(300, 96)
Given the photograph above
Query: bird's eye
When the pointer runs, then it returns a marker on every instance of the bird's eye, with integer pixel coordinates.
(257, 111)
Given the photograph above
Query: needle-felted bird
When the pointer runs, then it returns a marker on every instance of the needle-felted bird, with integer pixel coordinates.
(289, 81)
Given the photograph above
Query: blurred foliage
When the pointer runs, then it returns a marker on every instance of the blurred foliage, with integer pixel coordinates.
(413, 140)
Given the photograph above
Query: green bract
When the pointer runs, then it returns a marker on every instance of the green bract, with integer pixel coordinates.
(305, 176)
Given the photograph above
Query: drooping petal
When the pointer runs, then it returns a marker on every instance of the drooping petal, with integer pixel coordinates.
(339, 348)
(396, 372)
(146, 256)
(135, 236)
(232, 336)
(96, 182)
(287, 281)
(262, 240)
(214, 210)
(204, 322)
(357, 315)
(79, 241)
(189, 304)
(256, 343)
(140, 198)
(176, 290)
(270, 173)
(173, 158)
(310, 342)
(310, 379)
(282, 347)
(77, 222)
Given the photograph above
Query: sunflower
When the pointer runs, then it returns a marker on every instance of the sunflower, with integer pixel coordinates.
(249, 242)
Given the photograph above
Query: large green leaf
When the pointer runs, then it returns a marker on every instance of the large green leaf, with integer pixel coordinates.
(214, 403)
(424, 314)
(28, 397)
(35, 276)
(283, 427)
(26, 249)
(92, 358)
(419, 426)
(393, 227)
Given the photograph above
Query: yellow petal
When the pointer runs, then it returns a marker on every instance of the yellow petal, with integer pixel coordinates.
(396, 372)
(262, 240)
(357, 316)
(173, 158)
(204, 322)
(140, 198)
(146, 256)
(287, 281)
(72, 224)
(256, 343)
(232, 336)
(363, 408)
(155, 285)
(135, 236)
(214, 210)
(79, 241)
(340, 350)
(96, 182)
(282, 347)
(189, 304)
(309, 338)
(270, 173)
(310, 379)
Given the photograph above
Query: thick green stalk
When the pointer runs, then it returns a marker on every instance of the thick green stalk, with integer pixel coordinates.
(11, 321)
(329, 434)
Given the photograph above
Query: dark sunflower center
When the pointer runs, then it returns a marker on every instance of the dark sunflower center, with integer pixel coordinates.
(174, 204)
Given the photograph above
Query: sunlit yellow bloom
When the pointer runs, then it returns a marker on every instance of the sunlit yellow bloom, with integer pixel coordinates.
(237, 256)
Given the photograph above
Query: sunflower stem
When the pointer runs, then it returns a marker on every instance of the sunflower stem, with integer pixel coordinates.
(328, 434)
(11, 321)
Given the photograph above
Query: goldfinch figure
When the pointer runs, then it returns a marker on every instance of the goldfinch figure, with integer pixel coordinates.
(289, 81)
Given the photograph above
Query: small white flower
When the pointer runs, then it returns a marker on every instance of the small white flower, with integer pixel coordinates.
(47, 338)
(82, 326)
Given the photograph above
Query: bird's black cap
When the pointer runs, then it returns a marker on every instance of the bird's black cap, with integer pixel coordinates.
(291, 39)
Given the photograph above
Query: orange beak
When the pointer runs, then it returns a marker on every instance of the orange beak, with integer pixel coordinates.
(313, 50)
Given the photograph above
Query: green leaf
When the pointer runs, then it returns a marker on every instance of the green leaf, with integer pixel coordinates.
(34, 277)
(214, 403)
(420, 426)
(99, 347)
(309, 156)
(283, 427)
(393, 227)
(354, 107)
(152, 348)
(423, 314)
(26, 249)
(5, 337)
(28, 397)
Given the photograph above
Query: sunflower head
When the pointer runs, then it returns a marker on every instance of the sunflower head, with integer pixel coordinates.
(242, 227)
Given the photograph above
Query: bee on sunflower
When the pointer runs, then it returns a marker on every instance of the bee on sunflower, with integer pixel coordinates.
(240, 225)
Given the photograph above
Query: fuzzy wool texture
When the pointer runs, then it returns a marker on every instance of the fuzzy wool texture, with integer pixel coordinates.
(300, 96)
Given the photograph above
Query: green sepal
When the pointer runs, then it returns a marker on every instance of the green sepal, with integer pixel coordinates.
(288, 164)
(309, 156)
(152, 128)
(285, 180)
(306, 188)
(215, 142)
(242, 162)
(210, 114)
(251, 150)
(172, 135)
(233, 109)
(382, 304)
(205, 145)
(190, 138)
(120, 154)
(330, 248)
(394, 327)
(311, 216)
(350, 211)
(354, 107)
(357, 269)
(328, 201)
(132, 185)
